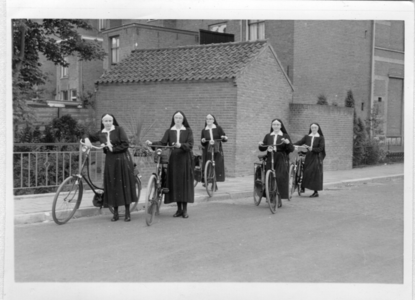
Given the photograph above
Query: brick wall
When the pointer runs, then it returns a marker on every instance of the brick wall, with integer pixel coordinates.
(337, 126)
(332, 57)
(156, 102)
(263, 94)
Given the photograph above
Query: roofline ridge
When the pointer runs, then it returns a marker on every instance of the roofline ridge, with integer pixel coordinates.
(265, 41)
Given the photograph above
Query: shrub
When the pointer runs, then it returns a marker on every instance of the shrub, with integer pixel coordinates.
(373, 152)
(359, 138)
(349, 101)
(322, 100)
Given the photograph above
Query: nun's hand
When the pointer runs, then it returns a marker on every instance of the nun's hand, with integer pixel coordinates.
(148, 142)
(224, 137)
(270, 148)
(287, 141)
(203, 140)
(261, 143)
(211, 142)
(177, 145)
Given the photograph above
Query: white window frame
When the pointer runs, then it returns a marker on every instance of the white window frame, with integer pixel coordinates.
(102, 24)
(115, 50)
(74, 94)
(255, 24)
(219, 27)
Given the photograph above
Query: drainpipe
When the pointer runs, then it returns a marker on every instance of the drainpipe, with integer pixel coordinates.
(240, 26)
(372, 81)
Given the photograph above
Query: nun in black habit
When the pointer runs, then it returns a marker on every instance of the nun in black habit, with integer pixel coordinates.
(212, 131)
(313, 163)
(119, 179)
(278, 135)
(180, 169)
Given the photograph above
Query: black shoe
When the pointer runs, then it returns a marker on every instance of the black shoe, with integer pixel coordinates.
(115, 218)
(127, 217)
(314, 195)
(279, 204)
(164, 190)
(185, 215)
(302, 190)
(178, 213)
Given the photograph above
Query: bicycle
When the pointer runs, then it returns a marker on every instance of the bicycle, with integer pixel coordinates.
(266, 181)
(299, 169)
(155, 191)
(210, 173)
(69, 194)
(198, 170)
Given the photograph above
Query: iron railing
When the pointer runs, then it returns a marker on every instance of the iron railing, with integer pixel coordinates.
(40, 167)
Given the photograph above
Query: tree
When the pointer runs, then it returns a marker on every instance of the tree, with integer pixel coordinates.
(55, 39)
(349, 101)
(359, 139)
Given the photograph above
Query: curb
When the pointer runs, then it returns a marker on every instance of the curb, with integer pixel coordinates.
(45, 217)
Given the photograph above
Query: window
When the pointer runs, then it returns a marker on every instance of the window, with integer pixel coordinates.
(256, 30)
(73, 95)
(101, 24)
(64, 70)
(115, 49)
(64, 95)
(218, 27)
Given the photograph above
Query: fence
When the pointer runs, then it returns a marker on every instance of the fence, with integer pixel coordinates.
(41, 167)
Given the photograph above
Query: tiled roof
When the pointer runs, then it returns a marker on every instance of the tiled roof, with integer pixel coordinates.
(201, 62)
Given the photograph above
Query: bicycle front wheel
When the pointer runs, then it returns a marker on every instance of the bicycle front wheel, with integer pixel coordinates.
(299, 177)
(67, 199)
(273, 196)
(151, 204)
(133, 205)
(210, 178)
(291, 181)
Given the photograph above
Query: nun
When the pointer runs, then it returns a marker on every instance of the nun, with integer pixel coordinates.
(119, 179)
(212, 131)
(313, 163)
(179, 179)
(278, 136)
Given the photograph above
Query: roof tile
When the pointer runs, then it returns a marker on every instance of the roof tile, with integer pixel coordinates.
(214, 61)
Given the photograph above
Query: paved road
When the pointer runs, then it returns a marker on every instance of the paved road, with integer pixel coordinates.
(348, 234)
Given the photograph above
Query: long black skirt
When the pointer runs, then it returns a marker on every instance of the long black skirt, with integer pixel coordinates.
(119, 180)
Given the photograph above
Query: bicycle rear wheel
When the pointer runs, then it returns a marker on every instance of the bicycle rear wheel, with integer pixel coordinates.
(291, 181)
(151, 204)
(273, 196)
(258, 185)
(210, 178)
(67, 199)
(133, 205)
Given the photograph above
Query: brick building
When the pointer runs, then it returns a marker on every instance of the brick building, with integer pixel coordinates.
(242, 84)
(329, 58)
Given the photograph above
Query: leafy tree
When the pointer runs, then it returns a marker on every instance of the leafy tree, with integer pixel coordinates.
(55, 39)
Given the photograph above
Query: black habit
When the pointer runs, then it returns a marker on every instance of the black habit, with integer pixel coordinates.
(180, 168)
(281, 161)
(219, 160)
(313, 163)
(119, 179)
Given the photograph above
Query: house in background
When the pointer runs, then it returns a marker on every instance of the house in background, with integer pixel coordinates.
(242, 84)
